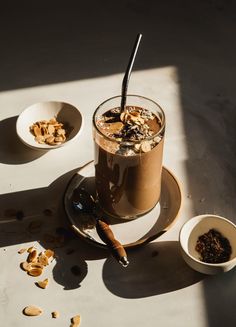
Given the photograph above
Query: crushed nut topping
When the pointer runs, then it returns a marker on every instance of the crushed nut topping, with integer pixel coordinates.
(49, 132)
(133, 129)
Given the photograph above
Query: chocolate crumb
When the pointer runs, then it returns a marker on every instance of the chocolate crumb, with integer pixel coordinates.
(213, 247)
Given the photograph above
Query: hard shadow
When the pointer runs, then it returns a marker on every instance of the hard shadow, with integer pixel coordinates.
(38, 215)
(220, 297)
(155, 269)
(12, 150)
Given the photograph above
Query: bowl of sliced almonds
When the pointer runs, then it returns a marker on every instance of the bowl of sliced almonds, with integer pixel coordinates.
(49, 125)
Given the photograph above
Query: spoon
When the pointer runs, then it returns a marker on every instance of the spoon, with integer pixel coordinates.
(84, 202)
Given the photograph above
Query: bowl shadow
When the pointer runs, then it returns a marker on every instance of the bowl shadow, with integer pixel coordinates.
(155, 269)
(12, 150)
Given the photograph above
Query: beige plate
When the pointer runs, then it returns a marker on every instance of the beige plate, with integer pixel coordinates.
(129, 232)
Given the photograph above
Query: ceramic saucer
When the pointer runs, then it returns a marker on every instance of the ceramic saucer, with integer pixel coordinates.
(129, 232)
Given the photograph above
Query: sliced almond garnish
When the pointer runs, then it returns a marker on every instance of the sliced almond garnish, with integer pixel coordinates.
(43, 284)
(32, 257)
(21, 251)
(32, 310)
(55, 314)
(35, 272)
(43, 259)
(49, 253)
(115, 127)
(146, 146)
(157, 139)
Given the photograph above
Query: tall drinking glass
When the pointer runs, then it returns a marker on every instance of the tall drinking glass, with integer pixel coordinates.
(128, 155)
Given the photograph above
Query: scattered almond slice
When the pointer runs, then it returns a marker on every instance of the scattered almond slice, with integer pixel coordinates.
(32, 310)
(36, 265)
(43, 259)
(32, 257)
(22, 251)
(49, 253)
(43, 284)
(26, 266)
(55, 314)
(35, 272)
(76, 320)
(32, 248)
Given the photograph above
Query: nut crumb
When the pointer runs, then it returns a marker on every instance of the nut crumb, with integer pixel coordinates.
(43, 284)
(21, 251)
(76, 320)
(55, 314)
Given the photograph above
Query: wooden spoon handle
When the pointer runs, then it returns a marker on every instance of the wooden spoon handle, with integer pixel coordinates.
(116, 248)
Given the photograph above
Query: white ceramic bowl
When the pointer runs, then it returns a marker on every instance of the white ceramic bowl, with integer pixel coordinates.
(198, 226)
(64, 112)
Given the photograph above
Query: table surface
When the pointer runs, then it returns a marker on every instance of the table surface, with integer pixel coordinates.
(196, 89)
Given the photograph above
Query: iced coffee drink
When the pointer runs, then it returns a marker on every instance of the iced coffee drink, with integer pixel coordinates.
(128, 155)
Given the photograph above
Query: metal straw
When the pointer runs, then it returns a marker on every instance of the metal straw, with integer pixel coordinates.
(128, 72)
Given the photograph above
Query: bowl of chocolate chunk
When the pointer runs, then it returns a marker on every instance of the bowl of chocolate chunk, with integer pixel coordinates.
(208, 244)
(49, 125)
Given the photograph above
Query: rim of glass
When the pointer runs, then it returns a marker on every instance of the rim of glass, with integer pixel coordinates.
(131, 141)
